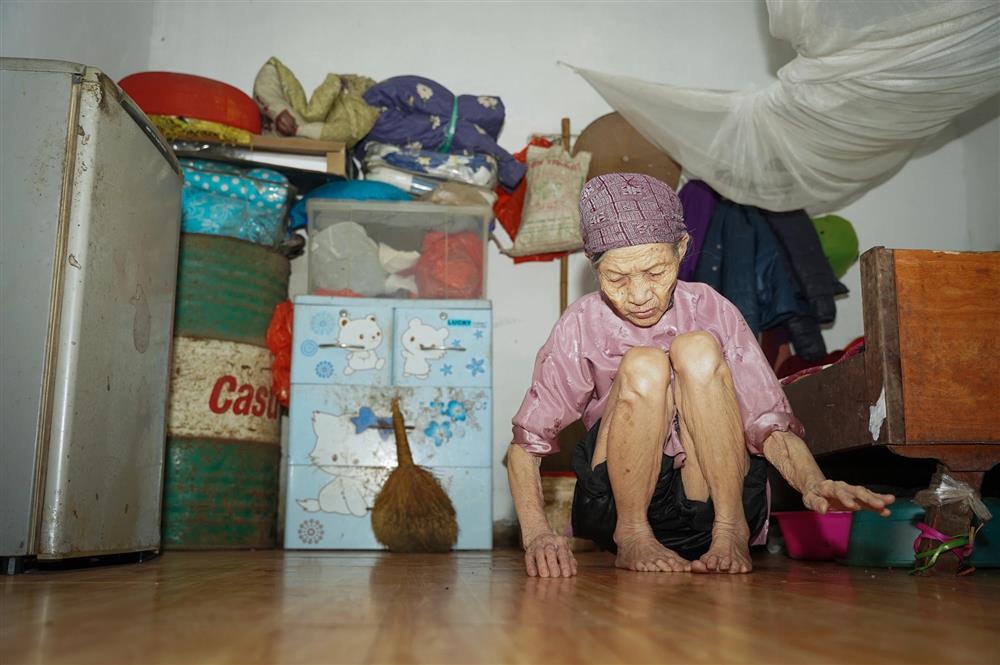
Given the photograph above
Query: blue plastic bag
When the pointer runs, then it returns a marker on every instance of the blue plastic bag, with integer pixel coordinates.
(221, 199)
(358, 190)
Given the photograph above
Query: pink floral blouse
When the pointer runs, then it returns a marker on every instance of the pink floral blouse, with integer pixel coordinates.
(575, 368)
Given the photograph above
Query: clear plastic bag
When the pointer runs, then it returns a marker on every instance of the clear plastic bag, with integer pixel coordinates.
(404, 180)
(955, 514)
(946, 492)
(479, 170)
(444, 192)
(459, 194)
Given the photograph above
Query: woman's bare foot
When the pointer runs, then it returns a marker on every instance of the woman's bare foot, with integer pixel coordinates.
(639, 550)
(729, 553)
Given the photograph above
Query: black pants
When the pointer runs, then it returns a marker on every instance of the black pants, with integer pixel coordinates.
(680, 524)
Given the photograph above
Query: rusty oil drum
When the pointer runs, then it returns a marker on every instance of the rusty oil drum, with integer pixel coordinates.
(223, 430)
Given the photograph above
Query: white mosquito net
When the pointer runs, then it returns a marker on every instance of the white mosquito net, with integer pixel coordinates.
(871, 82)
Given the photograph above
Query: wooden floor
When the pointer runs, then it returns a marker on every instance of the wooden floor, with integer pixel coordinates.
(291, 607)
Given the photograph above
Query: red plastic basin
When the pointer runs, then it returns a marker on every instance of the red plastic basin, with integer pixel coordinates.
(816, 537)
(171, 93)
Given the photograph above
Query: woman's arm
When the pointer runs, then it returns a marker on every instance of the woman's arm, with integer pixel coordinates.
(791, 457)
(546, 554)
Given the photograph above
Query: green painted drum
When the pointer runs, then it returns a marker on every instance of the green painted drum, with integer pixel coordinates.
(227, 288)
(223, 434)
(220, 494)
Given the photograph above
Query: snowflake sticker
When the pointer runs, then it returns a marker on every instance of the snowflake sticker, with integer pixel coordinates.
(311, 532)
(309, 348)
(476, 366)
(456, 342)
(478, 334)
(446, 370)
(322, 323)
(324, 369)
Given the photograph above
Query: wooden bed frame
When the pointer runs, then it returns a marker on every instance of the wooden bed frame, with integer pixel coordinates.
(927, 384)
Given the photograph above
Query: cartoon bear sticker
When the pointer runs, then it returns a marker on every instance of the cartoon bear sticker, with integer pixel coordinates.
(421, 344)
(362, 337)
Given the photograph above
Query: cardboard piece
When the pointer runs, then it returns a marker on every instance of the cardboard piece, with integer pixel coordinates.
(283, 151)
(616, 147)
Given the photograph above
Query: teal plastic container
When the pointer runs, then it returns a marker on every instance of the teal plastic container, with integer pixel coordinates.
(887, 542)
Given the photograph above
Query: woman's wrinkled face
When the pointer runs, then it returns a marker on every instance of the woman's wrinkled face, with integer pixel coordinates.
(639, 281)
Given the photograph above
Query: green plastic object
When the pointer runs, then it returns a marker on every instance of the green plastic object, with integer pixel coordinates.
(986, 553)
(227, 288)
(220, 494)
(839, 242)
(887, 542)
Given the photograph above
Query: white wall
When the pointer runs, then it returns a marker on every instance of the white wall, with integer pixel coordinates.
(947, 198)
(111, 35)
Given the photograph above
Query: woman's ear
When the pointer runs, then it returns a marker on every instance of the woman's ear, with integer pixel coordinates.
(682, 247)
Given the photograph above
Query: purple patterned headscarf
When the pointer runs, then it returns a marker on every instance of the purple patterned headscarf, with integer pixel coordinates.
(626, 209)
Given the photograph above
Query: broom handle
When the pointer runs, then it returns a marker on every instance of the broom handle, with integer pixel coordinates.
(403, 455)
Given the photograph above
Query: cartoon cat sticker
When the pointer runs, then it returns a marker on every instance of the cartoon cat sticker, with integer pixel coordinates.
(352, 489)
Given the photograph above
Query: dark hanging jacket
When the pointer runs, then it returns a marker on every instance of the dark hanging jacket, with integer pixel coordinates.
(742, 260)
(810, 268)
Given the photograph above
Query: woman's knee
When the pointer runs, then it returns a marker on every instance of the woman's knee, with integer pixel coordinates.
(644, 373)
(697, 355)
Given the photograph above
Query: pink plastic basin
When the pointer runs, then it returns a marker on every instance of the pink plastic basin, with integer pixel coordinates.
(809, 535)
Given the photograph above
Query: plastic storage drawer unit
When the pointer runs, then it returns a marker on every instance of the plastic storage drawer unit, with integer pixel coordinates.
(350, 357)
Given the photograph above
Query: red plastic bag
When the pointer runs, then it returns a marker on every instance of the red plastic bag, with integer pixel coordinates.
(450, 266)
(279, 341)
(508, 206)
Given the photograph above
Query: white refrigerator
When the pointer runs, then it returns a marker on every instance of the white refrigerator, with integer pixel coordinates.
(90, 201)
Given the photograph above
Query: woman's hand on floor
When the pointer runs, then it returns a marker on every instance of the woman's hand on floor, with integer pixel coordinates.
(832, 495)
(548, 555)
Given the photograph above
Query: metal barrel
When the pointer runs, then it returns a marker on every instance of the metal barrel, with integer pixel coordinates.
(223, 430)
(221, 494)
(227, 288)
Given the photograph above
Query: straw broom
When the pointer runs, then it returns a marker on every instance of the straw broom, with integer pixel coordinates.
(412, 513)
